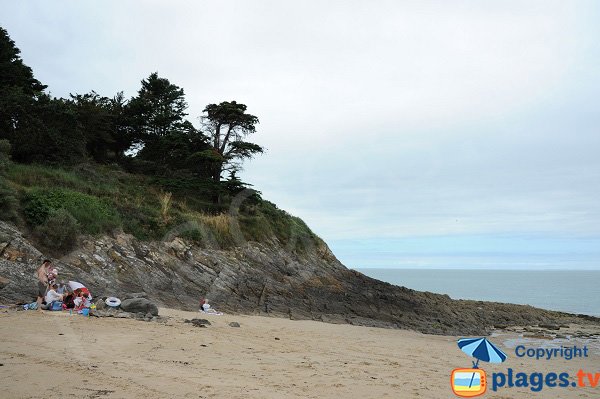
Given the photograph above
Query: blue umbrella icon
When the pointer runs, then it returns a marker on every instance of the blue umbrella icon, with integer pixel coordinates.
(481, 349)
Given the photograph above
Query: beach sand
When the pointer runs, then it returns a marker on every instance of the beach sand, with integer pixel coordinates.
(52, 354)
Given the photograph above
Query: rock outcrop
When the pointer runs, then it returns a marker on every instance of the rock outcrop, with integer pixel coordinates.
(256, 278)
(139, 305)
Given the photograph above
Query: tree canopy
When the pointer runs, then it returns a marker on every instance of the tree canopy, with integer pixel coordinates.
(148, 133)
(227, 124)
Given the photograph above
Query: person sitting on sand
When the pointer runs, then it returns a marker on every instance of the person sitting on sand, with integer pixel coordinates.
(52, 296)
(82, 301)
(68, 300)
(205, 307)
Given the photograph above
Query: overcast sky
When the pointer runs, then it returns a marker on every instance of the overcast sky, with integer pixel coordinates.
(405, 133)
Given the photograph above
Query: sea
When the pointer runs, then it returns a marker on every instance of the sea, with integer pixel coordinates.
(574, 291)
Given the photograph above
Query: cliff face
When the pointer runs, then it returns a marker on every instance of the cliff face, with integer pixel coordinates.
(259, 278)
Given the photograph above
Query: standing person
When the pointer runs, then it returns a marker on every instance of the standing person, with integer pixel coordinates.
(42, 286)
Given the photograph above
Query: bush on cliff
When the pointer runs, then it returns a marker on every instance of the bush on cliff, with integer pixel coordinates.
(8, 199)
(59, 231)
(93, 214)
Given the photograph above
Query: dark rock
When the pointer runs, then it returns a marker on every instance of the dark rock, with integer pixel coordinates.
(549, 326)
(198, 322)
(234, 324)
(139, 305)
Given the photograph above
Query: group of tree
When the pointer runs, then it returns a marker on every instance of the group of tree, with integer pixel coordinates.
(148, 133)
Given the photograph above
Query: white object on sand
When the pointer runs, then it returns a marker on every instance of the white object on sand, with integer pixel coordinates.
(112, 301)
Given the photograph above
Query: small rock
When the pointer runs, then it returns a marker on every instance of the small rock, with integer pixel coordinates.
(277, 339)
(234, 324)
(198, 322)
(549, 326)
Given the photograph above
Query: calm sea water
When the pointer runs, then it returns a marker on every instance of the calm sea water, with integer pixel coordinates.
(575, 291)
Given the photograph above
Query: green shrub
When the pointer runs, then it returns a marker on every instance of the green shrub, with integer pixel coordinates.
(8, 202)
(59, 231)
(93, 214)
(5, 148)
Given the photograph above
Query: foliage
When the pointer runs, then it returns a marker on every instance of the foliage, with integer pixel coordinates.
(8, 199)
(59, 231)
(13, 72)
(92, 163)
(105, 125)
(4, 154)
(94, 215)
(165, 205)
(227, 124)
(8, 202)
(158, 109)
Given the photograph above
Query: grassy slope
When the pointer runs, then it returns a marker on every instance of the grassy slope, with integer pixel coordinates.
(103, 198)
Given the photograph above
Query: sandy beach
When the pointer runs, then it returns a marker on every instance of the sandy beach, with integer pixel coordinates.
(75, 356)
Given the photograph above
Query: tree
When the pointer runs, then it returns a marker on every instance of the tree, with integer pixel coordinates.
(19, 91)
(106, 127)
(227, 124)
(96, 120)
(56, 136)
(158, 109)
(13, 72)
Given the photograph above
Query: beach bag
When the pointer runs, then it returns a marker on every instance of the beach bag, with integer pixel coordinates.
(56, 305)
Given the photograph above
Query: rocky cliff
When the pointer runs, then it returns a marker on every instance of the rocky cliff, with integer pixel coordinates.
(258, 278)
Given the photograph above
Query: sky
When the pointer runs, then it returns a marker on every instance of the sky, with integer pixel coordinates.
(434, 134)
